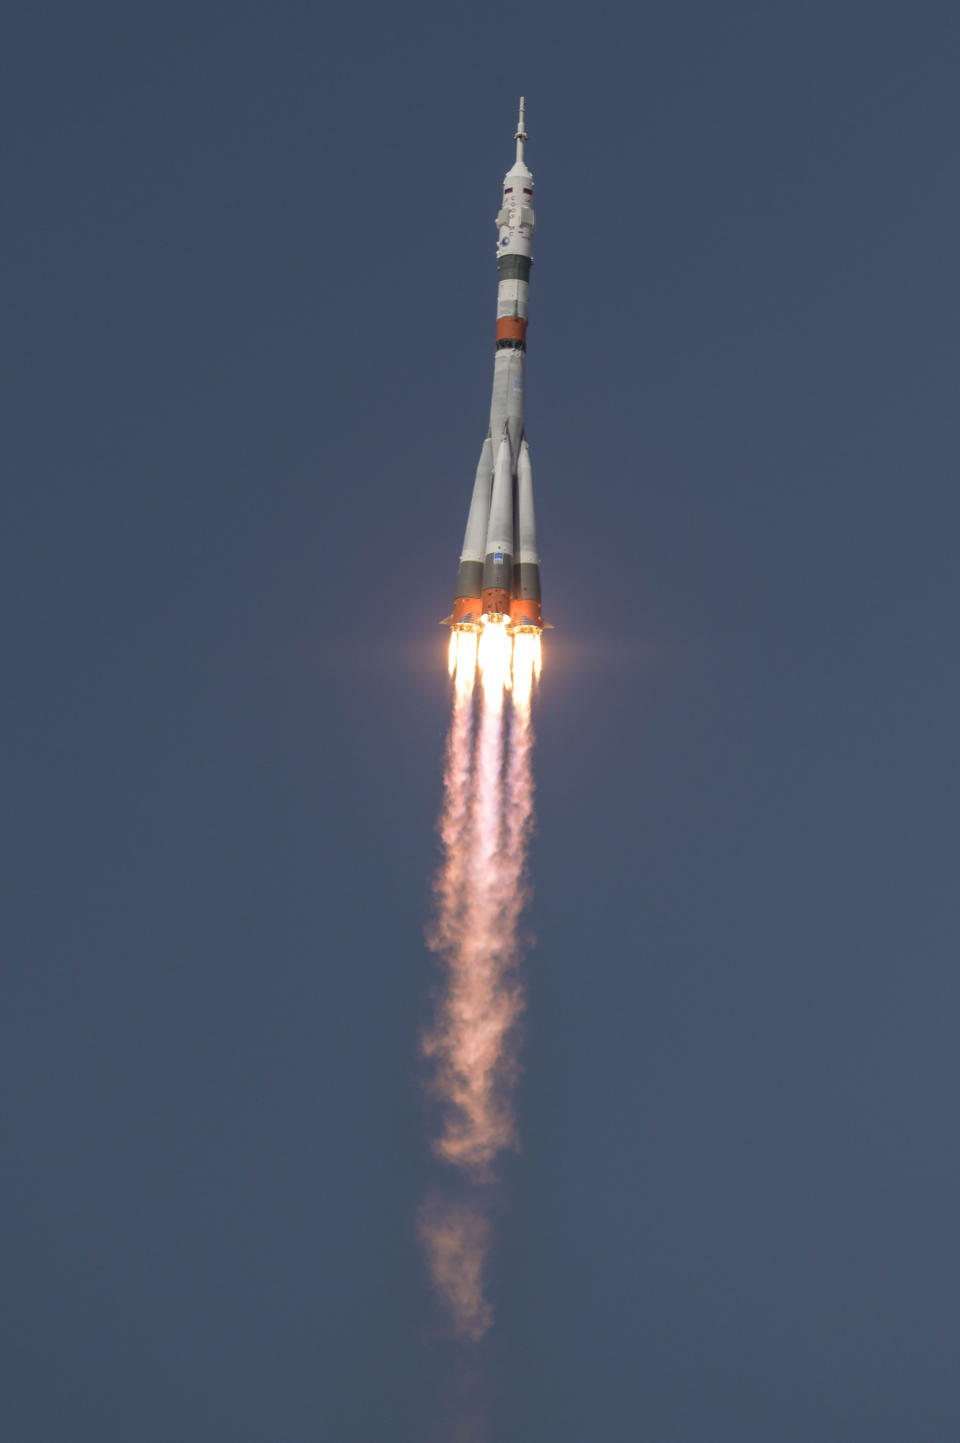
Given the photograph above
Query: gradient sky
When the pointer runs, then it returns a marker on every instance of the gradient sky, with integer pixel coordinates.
(247, 353)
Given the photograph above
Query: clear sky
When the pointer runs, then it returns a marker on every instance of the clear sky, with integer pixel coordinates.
(248, 347)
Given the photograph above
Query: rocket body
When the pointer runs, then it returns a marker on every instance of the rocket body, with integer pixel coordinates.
(499, 577)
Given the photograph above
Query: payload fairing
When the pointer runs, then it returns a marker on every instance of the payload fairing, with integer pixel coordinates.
(499, 577)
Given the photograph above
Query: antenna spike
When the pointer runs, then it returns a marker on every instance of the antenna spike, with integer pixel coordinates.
(521, 134)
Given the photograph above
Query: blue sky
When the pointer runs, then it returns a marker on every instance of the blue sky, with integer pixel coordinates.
(251, 292)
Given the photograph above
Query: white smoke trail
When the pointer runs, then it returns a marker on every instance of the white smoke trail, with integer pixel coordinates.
(454, 839)
(481, 890)
(456, 1240)
(520, 785)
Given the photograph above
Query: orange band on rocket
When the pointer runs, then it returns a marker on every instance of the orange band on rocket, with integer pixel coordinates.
(511, 328)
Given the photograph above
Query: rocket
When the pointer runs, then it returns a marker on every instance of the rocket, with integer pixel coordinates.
(499, 576)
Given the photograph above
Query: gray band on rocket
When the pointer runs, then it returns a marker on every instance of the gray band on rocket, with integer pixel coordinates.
(526, 580)
(514, 268)
(469, 579)
(498, 574)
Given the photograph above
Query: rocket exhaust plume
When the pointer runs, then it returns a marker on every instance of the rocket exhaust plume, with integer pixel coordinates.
(494, 661)
(456, 1239)
(481, 888)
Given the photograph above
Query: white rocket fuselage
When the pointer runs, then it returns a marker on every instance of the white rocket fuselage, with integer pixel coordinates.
(499, 576)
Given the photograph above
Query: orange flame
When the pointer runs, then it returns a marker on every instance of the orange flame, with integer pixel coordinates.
(494, 662)
(462, 661)
(527, 663)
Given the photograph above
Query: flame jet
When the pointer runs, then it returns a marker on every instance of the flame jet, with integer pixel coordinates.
(499, 577)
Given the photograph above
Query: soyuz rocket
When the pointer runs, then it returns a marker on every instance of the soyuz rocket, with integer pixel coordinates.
(499, 577)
